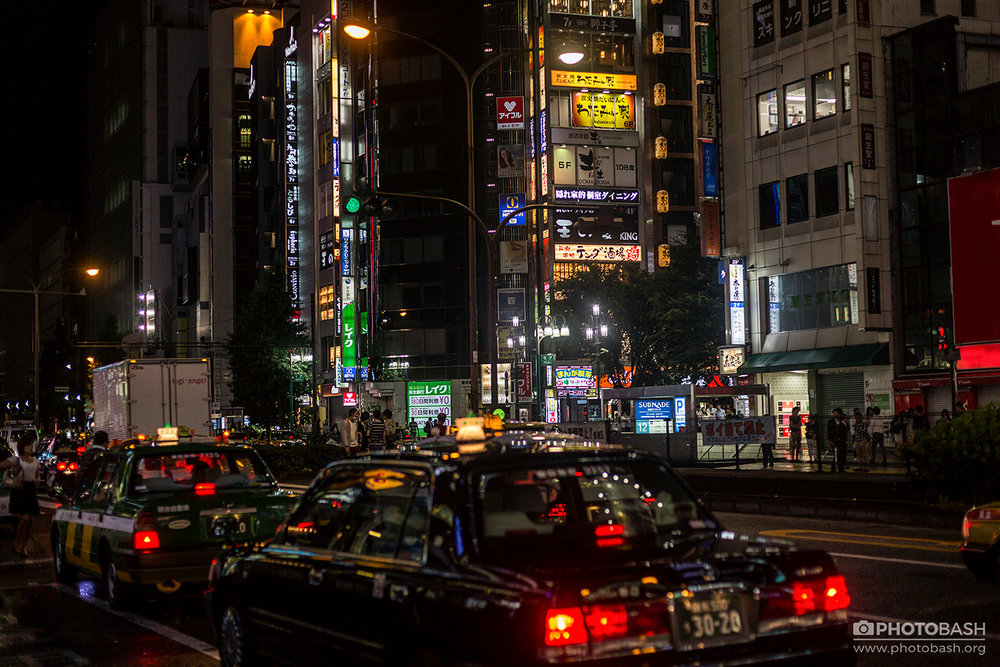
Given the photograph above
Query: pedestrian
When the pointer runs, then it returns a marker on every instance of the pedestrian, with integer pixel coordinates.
(767, 454)
(440, 425)
(720, 412)
(862, 451)
(376, 432)
(945, 415)
(391, 429)
(960, 409)
(349, 432)
(795, 434)
(24, 496)
(364, 431)
(837, 431)
(412, 428)
(812, 442)
(876, 429)
(920, 421)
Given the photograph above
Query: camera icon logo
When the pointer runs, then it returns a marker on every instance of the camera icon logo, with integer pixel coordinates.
(864, 628)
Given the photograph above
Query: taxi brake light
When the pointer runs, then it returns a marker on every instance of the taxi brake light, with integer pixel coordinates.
(803, 598)
(204, 489)
(146, 539)
(606, 621)
(564, 627)
(81, 450)
(74, 466)
(609, 530)
(61, 465)
(836, 596)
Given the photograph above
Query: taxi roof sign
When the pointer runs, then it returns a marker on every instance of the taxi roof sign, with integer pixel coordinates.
(167, 434)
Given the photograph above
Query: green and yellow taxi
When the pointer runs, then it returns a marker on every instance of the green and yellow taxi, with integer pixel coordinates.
(981, 540)
(142, 514)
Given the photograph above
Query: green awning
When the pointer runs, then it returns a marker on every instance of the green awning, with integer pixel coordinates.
(872, 354)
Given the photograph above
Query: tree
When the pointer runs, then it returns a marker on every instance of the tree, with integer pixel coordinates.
(666, 325)
(264, 333)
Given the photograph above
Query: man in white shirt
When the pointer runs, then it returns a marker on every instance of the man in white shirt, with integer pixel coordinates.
(349, 431)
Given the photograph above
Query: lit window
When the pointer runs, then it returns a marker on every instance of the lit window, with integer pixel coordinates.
(767, 112)
(824, 88)
(795, 103)
(845, 77)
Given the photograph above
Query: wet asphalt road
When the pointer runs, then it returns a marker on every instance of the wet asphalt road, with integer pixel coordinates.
(895, 574)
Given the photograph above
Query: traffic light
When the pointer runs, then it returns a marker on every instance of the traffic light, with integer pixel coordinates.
(942, 340)
(365, 201)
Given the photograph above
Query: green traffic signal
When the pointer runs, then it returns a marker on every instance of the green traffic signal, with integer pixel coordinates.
(354, 204)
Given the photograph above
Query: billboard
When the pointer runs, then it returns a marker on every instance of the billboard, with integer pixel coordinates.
(597, 225)
(604, 111)
(510, 113)
(974, 211)
(426, 400)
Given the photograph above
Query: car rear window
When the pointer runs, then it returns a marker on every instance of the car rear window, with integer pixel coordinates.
(180, 471)
(573, 511)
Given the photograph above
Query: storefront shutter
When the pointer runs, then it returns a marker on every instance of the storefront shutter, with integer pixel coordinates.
(839, 390)
(938, 399)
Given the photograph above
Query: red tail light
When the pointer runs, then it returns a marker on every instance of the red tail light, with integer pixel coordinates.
(73, 466)
(204, 489)
(609, 535)
(836, 596)
(803, 598)
(564, 627)
(606, 621)
(61, 465)
(81, 450)
(145, 535)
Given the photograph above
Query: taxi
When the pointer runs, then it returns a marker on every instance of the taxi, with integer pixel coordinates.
(141, 516)
(981, 540)
(520, 549)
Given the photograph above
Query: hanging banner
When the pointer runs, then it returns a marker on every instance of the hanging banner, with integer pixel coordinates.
(510, 160)
(510, 113)
(739, 431)
(711, 236)
(604, 110)
(513, 257)
(709, 168)
(594, 80)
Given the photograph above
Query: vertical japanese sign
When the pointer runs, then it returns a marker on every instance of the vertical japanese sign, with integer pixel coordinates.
(426, 400)
(348, 342)
(291, 136)
(704, 11)
(711, 242)
(510, 113)
(524, 381)
(346, 265)
(791, 17)
(709, 168)
(706, 105)
(706, 52)
(867, 146)
(873, 289)
(820, 11)
(763, 23)
(865, 75)
(737, 303)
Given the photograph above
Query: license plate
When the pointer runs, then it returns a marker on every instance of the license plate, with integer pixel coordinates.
(710, 618)
(242, 528)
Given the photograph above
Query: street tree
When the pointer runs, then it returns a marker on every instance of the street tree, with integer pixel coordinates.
(264, 333)
(666, 326)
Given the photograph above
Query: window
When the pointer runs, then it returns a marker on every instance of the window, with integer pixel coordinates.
(327, 303)
(927, 7)
(824, 91)
(797, 189)
(825, 182)
(357, 511)
(795, 103)
(245, 126)
(767, 113)
(86, 487)
(814, 299)
(845, 78)
(849, 185)
(770, 205)
(180, 472)
(969, 8)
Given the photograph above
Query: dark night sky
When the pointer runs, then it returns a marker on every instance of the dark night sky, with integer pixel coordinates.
(44, 54)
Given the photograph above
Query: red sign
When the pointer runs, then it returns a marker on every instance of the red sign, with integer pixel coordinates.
(510, 113)
(350, 398)
(524, 382)
(974, 210)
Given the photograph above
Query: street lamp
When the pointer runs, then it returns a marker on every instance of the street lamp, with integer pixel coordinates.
(35, 291)
(361, 29)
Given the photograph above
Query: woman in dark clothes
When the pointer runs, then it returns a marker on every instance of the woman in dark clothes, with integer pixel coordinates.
(24, 500)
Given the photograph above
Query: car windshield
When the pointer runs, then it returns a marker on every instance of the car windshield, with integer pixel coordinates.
(177, 472)
(576, 512)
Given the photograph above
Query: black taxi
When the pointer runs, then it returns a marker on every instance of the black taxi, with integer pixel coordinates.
(141, 515)
(520, 550)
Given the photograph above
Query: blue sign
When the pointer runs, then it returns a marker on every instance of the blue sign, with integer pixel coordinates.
(509, 204)
(680, 410)
(350, 373)
(642, 426)
(657, 408)
(510, 304)
(345, 252)
(710, 170)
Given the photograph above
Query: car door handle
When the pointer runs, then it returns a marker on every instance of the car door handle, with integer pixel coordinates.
(315, 576)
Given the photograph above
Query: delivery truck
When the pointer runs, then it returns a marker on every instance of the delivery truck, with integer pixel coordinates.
(137, 396)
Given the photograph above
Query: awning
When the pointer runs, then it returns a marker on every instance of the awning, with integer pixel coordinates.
(871, 354)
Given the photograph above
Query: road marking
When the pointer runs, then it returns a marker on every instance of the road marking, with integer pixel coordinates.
(871, 540)
(949, 566)
(888, 619)
(163, 630)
